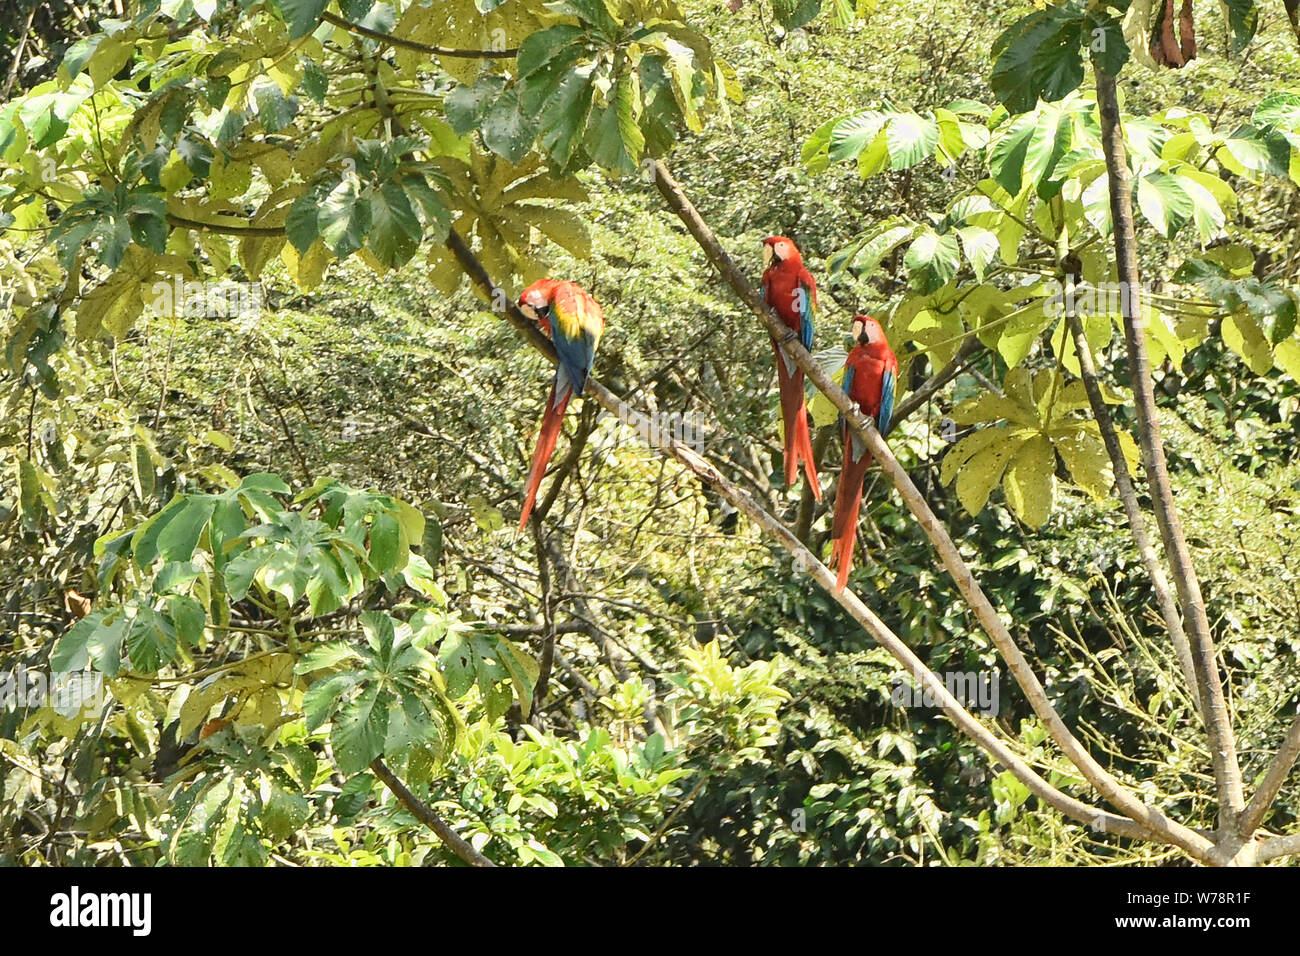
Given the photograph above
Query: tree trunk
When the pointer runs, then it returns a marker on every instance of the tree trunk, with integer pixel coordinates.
(1223, 750)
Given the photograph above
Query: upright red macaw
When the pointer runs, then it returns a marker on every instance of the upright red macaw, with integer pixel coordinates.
(574, 322)
(869, 375)
(791, 291)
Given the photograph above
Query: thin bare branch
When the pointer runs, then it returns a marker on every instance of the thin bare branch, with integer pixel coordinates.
(414, 45)
(1128, 496)
(425, 814)
(1277, 773)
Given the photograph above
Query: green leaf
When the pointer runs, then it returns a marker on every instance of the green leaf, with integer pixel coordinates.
(383, 542)
(1250, 150)
(302, 16)
(981, 248)
(457, 660)
(150, 641)
(1280, 110)
(188, 618)
(344, 219)
(264, 481)
(359, 730)
(274, 109)
(793, 14)
(564, 119)
(300, 224)
(1243, 21)
(79, 54)
(613, 138)
(1028, 151)
(507, 129)
(850, 136)
(315, 81)
(395, 230)
(933, 259)
(1030, 481)
(539, 48)
(91, 640)
(910, 138)
(1271, 305)
(524, 671)
(865, 252)
(594, 12)
(1165, 202)
(1039, 57)
(466, 106)
(322, 698)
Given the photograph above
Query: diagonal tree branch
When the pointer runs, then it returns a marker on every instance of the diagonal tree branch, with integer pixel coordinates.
(425, 814)
(1142, 822)
(1275, 847)
(1101, 779)
(920, 396)
(1128, 495)
(1223, 748)
(1277, 773)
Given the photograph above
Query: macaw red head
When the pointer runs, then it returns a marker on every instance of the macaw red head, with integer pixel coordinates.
(867, 330)
(782, 250)
(535, 302)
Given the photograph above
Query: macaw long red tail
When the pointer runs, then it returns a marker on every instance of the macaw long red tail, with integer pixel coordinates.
(848, 501)
(546, 440)
(798, 438)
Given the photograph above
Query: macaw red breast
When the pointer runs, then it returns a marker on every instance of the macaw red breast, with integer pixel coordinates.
(782, 282)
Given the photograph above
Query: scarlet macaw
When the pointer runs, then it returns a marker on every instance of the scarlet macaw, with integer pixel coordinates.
(574, 322)
(869, 375)
(791, 291)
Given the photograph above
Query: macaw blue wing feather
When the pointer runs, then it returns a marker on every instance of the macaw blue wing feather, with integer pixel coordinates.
(576, 324)
(806, 310)
(886, 402)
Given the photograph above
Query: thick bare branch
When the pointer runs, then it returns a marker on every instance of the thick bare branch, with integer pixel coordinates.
(1278, 846)
(1223, 748)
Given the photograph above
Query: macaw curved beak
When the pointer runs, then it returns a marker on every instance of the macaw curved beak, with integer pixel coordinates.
(859, 332)
(767, 255)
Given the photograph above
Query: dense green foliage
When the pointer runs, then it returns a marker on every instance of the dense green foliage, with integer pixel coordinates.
(293, 497)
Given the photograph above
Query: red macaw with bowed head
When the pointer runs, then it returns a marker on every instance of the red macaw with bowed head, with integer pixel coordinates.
(574, 321)
(869, 375)
(791, 291)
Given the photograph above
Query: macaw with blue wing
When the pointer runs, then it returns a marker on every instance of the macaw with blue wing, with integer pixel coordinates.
(574, 321)
(791, 291)
(869, 375)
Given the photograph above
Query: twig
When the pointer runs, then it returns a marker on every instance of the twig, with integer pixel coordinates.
(425, 814)
(414, 45)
